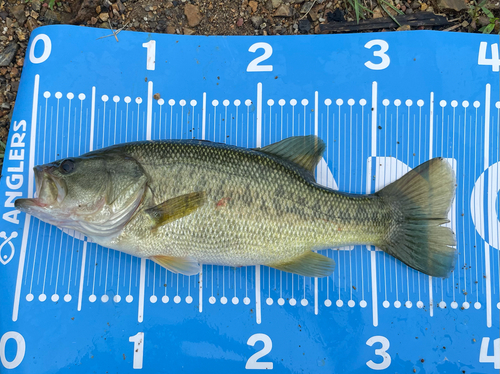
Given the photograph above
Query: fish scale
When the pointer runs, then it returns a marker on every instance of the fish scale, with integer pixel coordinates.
(188, 202)
(249, 228)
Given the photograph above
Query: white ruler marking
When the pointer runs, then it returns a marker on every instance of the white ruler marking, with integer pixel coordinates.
(316, 109)
(431, 124)
(487, 264)
(149, 110)
(368, 188)
(204, 116)
(140, 316)
(82, 271)
(259, 115)
(257, 294)
(24, 242)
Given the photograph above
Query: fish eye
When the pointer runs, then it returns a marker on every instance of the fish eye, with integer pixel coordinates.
(67, 166)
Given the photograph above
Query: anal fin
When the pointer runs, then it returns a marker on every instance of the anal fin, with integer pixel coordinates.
(182, 265)
(311, 264)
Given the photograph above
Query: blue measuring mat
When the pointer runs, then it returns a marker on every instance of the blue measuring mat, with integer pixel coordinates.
(382, 102)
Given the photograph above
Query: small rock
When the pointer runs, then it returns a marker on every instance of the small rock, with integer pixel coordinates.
(50, 17)
(253, 5)
(465, 24)
(20, 62)
(192, 12)
(34, 14)
(98, 9)
(7, 55)
(336, 16)
(5, 106)
(21, 35)
(313, 14)
(306, 7)
(104, 16)
(188, 31)
(415, 5)
(423, 6)
(409, 11)
(256, 21)
(36, 5)
(3, 15)
(18, 12)
(121, 7)
(403, 28)
(93, 20)
(483, 20)
(31, 24)
(276, 3)
(430, 9)
(66, 8)
(283, 11)
(304, 26)
(239, 23)
(377, 13)
(263, 25)
(156, 96)
(456, 5)
(14, 71)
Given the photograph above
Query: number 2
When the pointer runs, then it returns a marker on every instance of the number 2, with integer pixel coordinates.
(386, 359)
(384, 47)
(252, 362)
(254, 66)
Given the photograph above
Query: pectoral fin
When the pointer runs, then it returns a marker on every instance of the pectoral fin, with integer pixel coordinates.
(311, 264)
(182, 265)
(176, 208)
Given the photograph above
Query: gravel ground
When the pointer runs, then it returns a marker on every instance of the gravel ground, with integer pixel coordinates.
(204, 17)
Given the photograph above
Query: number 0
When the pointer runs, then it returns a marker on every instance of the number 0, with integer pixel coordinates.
(254, 66)
(21, 349)
(47, 48)
(252, 362)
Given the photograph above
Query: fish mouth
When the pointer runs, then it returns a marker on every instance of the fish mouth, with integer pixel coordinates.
(50, 191)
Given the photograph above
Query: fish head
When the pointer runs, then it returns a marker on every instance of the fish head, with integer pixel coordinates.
(95, 194)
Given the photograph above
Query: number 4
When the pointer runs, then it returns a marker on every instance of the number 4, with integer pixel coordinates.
(483, 354)
(494, 61)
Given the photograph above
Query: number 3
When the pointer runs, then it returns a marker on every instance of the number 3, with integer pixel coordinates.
(379, 352)
(384, 47)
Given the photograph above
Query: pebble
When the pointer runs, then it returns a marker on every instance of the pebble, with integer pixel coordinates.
(283, 11)
(253, 5)
(306, 7)
(36, 5)
(192, 12)
(18, 12)
(239, 23)
(456, 5)
(104, 16)
(256, 21)
(304, 26)
(7, 55)
(276, 3)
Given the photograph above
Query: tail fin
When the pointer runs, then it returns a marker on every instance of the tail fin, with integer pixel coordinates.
(420, 201)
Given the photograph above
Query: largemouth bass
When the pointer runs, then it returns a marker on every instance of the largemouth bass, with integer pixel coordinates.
(182, 203)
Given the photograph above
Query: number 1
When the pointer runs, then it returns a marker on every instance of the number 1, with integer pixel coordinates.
(138, 340)
(151, 56)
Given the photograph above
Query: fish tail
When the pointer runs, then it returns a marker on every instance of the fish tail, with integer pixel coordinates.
(419, 204)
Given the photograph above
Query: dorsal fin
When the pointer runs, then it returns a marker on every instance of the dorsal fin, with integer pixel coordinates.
(305, 151)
